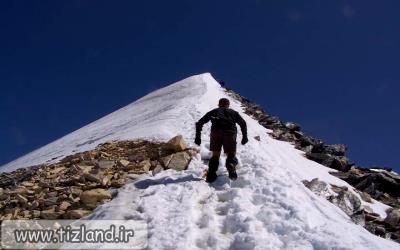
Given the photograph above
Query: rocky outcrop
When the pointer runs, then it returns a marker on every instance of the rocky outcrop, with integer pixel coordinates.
(382, 185)
(379, 184)
(76, 185)
(350, 204)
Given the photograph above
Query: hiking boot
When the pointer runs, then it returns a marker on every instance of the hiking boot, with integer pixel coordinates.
(232, 173)
(211, 177)
(231, 163)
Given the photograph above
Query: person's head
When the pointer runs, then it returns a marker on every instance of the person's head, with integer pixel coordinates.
(223, 103)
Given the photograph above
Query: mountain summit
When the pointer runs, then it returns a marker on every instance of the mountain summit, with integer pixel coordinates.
(267, 207)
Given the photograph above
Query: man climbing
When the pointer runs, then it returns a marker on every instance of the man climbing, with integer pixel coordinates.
(223, 134)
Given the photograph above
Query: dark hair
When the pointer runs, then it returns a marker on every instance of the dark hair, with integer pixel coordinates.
(223, 103)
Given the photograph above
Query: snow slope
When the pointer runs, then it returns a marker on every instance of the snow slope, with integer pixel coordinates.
(268, 207)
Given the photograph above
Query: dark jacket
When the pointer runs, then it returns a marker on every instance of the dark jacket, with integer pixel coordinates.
(223, 119)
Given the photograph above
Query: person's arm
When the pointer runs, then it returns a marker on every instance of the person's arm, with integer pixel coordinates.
(243, 126)
(199, 126)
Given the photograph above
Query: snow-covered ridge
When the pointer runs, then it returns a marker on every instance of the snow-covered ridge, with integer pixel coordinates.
(268, 207)
(152, 116)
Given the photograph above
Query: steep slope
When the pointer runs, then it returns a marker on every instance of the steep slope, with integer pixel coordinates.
(268, 207)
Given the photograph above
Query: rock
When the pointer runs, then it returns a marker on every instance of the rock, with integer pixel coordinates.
(380, 231)
(366, 197)
(373, 183)
(393, 217)
(104, 164)
(346, 201)
(157, 169)
(64, 205)
(166, 160)
(76, 191)
(179, 161)
(145, 165)
(133, 176)
(83, 168)
(21, 199)
(330, 161)
(118, 183)
(338, 189)
(1, 191)
(318, 187)
(293, 126)
(335, 149)
(51, 201)
(372, 216)
(91, 197)
(123, 163)
(76, 214)
(35, 204)
(4, 197)
(50, 214)
(177, 144)
(105, 181)
(258, 138)
(92, 177)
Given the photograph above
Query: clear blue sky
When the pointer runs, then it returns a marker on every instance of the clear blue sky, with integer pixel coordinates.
(332, 66)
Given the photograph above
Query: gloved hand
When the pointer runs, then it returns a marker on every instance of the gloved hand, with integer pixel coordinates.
(244, 140)
(197, 140)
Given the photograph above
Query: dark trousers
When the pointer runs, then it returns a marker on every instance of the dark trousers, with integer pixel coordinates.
(227, 140)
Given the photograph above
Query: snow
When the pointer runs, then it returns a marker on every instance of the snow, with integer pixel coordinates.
(268, 207)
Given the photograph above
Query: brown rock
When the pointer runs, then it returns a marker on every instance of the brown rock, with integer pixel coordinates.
(50, 214)
(83, 168)
(118, 183)
(27, 184)
(91, 197)
(21, 199)
(145, 165)
(76, 191)
(177, 144)
(371, 216)
(123, 163)
(7, 217)
(366, 197)
(76, 214)
(64, 205)
(179, 161)
(35, 213)
(92, 177)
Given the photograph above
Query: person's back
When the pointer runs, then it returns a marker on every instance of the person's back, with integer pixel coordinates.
(224, 119)
(223, 134)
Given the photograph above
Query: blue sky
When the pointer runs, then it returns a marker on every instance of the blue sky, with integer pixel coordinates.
(332, 66)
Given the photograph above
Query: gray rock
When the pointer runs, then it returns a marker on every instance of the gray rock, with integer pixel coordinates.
(103, 164)
(316, 186)
(157, 169)
(393, 217)
(293, 126)
(346, 201)
(335, 149)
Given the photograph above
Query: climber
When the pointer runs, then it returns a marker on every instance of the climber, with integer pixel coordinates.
(223, 134)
